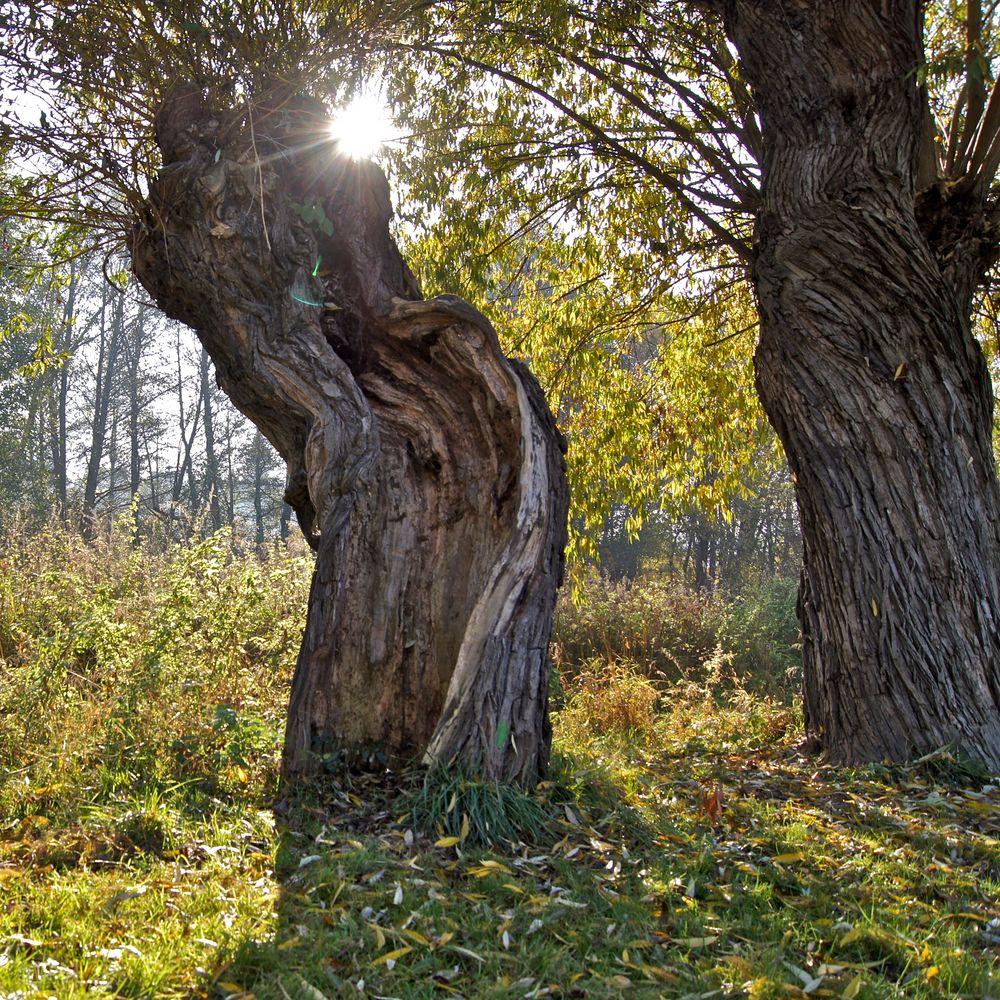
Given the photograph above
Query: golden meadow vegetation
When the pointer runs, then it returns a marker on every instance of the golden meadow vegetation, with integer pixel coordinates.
(683, 843)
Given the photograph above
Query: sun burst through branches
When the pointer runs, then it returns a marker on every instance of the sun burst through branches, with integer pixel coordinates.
(362, 127)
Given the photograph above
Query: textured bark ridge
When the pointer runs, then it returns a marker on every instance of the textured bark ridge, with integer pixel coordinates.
(875, 385)
(424, 466)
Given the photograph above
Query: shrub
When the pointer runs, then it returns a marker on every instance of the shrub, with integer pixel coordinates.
(674, 636)
(762, 632)
(610, 698)
(114, 659)
(663, 628)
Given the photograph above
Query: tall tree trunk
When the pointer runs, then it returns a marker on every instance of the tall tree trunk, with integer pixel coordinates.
(875, 385)
(424, 467)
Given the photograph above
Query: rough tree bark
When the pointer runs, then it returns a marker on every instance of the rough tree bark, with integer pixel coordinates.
(424, 467)
(874, 383)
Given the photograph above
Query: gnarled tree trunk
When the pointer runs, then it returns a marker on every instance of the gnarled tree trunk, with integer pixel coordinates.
(875, 385)
(424, 466)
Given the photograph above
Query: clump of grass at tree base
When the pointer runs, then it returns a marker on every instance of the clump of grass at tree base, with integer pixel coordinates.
(453, 806)
(701, 854)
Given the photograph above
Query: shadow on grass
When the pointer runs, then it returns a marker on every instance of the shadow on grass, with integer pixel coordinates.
(372, 903)
(757, 874)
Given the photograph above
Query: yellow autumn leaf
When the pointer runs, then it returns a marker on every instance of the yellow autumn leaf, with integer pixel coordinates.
(663, 974)
(447, 841)
(875, 607)
(697, 942)
(391, 956)
(853, 988)
(292, 942)
(230, 987)
(852, 935)
(932, 972)
(788, 858)
(415, 936)
(495, 866)
(464, 832)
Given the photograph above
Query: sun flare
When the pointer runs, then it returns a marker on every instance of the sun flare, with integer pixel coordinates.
(363, 126)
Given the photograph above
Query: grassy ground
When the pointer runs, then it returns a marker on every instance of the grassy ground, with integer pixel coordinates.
(683, 845)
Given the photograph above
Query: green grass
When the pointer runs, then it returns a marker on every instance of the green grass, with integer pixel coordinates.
(682, 845)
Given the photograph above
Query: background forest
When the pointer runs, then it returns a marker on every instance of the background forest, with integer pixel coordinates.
(110, 407)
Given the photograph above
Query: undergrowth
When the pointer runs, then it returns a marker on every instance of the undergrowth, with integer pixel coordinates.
(672, 635)
(681, 846)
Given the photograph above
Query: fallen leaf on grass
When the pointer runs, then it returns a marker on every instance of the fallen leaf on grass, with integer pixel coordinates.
(696, 942)
(121, 897)
(391, 956)
(466, 952)
(307, 991)
(853, 988)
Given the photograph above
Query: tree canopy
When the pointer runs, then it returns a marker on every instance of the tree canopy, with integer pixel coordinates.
(610, 278)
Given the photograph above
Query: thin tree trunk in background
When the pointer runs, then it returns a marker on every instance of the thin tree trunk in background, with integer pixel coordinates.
(135, 347)
(211, 481)
(230, 472)
(106, 364)
(258, 470)
(425, 468)
(188, 431)
(880, 394)
(60, 459)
